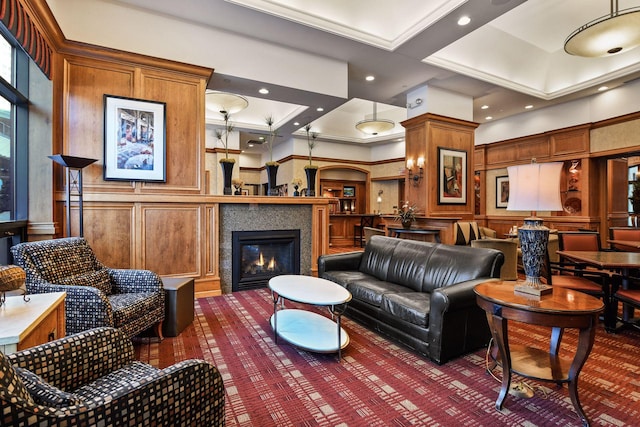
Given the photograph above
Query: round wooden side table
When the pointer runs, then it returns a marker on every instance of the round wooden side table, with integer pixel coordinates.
(563, 308)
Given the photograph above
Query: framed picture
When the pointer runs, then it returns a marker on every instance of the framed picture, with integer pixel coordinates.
(502, 191)
(245, 192)
(134, 139)
(349, 192)
(452, 176)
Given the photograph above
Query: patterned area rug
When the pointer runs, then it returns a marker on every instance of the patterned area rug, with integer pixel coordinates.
(379, 383)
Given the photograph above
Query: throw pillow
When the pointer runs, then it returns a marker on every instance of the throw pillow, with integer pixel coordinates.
(98, 279)
(10, 380)
(44, 393)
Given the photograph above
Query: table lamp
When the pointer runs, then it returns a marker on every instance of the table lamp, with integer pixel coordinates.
(534, 187)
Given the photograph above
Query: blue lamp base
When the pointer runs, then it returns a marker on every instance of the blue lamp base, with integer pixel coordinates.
(533, 241)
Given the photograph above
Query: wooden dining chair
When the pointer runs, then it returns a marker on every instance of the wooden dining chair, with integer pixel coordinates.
(593, 282)
(631, 297)
(624, 233)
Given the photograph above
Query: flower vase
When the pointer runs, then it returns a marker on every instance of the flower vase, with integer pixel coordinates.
(296, 193)
(406, 223)
(311, 181)
(227, 170)
(237, 192)
(272, 172)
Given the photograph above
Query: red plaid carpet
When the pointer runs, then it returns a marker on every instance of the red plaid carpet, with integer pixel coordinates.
(381, 384)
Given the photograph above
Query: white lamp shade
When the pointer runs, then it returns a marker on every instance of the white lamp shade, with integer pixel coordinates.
(535, 187)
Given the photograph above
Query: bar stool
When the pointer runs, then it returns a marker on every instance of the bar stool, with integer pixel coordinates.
(358, 233)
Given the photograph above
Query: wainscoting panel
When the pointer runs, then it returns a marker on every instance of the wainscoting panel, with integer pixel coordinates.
(171, 236)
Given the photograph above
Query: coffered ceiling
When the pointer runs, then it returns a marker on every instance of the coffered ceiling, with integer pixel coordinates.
(509, 56)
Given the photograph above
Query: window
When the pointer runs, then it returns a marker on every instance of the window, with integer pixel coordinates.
(14, 83)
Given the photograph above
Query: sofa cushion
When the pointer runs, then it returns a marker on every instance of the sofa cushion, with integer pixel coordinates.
(377, 256)
(409, 262)
(372, 290)
(133, 306)
(11, 381)
(98, 279)
(412, 307)
(466, 231)
(118, 382)
(44, 393)
(343, 278)
(449, 265)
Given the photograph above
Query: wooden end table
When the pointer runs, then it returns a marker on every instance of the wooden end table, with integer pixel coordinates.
(563, 308)
(27, 324)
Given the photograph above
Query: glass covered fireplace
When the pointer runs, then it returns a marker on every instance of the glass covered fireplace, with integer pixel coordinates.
(258, 256)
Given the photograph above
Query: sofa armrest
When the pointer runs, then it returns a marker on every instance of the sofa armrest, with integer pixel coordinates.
(72, 361)
(79, 301)
(347, 261)
(455, 297)
(133, 281)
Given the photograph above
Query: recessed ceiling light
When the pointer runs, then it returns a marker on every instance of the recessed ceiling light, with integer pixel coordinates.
(601, 88)
(250, 145)
(296, 123)
(484, 107)
(264, 91)
(319, 109)
(489, 118)
(261, 138)
(528, 107)
(464, 20)
(370, 78)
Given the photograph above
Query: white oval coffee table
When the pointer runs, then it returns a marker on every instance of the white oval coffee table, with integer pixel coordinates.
(306, 329)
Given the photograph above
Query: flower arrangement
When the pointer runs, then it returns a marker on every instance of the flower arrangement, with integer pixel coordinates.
(296, 182)
(238, 183)
(311, 142)
(220, 134)
(407, 213)
(272, 136)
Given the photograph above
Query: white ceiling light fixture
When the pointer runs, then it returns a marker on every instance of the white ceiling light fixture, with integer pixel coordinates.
(374, 126)
(464, 20)
(226, 103)
(617, 32)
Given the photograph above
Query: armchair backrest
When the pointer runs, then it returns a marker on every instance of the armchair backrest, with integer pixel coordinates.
(466, 231)
(54, 260)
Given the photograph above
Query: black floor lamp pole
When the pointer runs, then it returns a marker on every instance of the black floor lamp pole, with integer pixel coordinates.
(74, 183)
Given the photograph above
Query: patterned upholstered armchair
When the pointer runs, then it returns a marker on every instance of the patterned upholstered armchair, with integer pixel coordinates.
(91, 378)
(131, 300)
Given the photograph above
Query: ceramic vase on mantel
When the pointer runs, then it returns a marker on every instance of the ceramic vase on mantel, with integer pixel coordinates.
(272, 173)
(406, 223)
(227, 170)
(311, 181)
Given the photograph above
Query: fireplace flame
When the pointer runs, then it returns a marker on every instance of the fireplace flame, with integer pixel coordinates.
(272, 264)
(260, 262)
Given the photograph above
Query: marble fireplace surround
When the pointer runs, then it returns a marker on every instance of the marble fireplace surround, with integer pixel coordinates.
(266, 216)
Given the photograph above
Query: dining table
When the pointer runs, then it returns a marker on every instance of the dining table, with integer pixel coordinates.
(622, 263)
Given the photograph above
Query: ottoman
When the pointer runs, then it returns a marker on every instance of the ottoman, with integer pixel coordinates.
(178, 304)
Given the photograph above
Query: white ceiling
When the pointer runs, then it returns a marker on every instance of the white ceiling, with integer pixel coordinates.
(509, 56)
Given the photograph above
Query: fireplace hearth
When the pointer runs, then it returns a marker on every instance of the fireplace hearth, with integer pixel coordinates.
(257, 256)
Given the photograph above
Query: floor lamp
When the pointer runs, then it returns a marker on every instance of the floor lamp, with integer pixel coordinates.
(534, 187)
(74, 166)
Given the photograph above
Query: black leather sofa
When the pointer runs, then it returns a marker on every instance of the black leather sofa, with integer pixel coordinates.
(418, 293)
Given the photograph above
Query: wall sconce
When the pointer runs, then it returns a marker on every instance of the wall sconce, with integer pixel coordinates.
(416, 177)
(574, 166)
